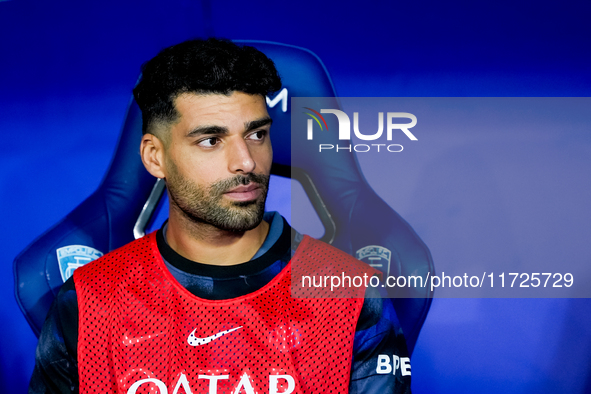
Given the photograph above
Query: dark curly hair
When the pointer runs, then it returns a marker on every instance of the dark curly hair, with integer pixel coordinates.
(202, 67)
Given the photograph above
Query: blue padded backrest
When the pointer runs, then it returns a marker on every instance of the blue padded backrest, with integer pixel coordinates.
(337, 189)
(103, 222)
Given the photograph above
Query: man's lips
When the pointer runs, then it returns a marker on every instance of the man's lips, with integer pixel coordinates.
(244, 192)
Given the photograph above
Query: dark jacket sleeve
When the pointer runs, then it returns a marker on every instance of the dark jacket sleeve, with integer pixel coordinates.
(56, 367)
(381, 363)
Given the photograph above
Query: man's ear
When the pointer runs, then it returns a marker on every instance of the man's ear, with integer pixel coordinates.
(152, 153)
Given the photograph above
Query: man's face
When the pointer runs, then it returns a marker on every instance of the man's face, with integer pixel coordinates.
(218, 159)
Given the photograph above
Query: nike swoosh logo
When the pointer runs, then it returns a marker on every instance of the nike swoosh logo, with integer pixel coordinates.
(194, 341)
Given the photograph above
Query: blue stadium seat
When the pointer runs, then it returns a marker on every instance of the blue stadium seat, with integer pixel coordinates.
(356, 220)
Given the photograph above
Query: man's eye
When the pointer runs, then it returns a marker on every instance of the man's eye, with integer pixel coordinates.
(209, 142)
(258, 135)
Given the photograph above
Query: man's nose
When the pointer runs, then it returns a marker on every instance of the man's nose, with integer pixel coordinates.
(240, 158)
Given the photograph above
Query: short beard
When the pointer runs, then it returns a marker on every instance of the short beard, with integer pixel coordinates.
(206, 205)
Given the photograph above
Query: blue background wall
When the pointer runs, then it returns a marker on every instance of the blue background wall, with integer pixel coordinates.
(66, 73)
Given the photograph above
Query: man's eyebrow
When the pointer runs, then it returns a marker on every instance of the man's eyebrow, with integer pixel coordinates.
(206, 130)
(255, 124)
(220, 130)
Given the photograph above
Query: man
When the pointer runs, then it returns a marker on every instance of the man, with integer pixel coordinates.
(204, 304)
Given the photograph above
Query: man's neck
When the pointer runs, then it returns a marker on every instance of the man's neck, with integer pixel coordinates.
(207, 244)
